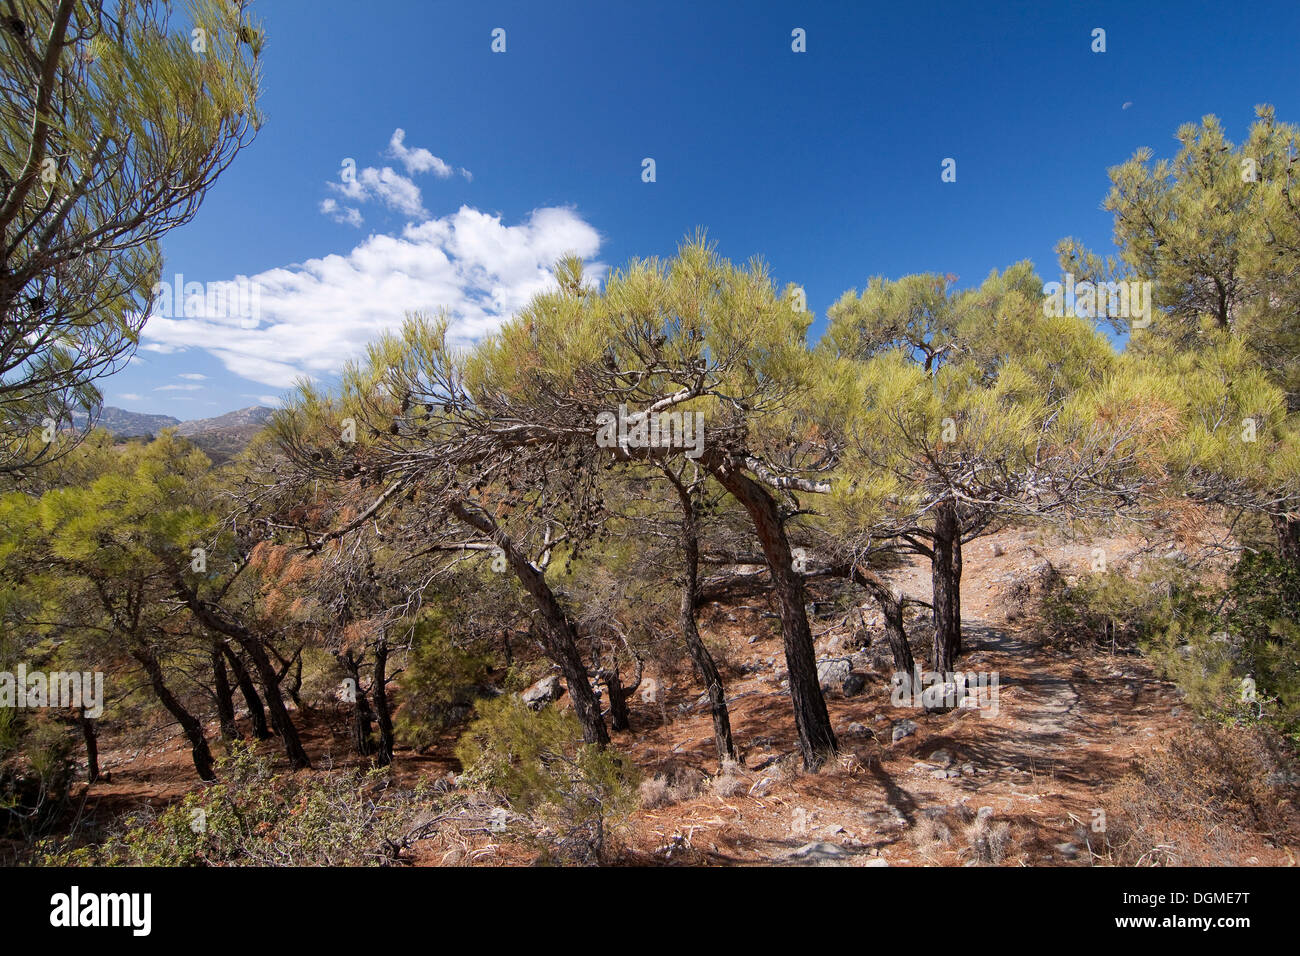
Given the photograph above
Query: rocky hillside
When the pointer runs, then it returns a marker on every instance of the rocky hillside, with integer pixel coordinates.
(221, 438)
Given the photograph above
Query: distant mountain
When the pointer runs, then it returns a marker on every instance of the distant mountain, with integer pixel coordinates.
(221, 438)
(257, 415)
(123, 424)
(225, 436)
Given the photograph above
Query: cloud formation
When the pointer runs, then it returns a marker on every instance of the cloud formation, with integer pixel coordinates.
(387, 185)
(315, 316)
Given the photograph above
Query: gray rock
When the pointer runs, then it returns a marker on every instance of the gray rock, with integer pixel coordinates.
(833, 673)
(904, 728)
(854, 684)
(1068, 850)
(545, 691)
(819, 854)
(941, 758)
(877, 861)
(856, 729)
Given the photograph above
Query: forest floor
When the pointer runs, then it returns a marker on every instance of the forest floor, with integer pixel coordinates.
(1069, 729)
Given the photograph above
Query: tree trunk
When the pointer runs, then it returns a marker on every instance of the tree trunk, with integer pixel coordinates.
(225, 697)
(945, 570)
(189, 723)
(700, 656)
(280, 719)
(252, 646)
(891, 608)
(816, 738)
(91, 736)
(559, 636)
(383, 712)
(618, 716)
(361, 715)
(256, 712)
(1287, 530)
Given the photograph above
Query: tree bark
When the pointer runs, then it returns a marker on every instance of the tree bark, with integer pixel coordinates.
(812, 721)
(256, 712)
(383, 712)
(190, 725)
(559, 637)
(361, 714)
(225, 697)
(618, 715)
(700, 656)
(1287, 530)
(945, 570)
(252, 646)
(91, 737)
(891, 608)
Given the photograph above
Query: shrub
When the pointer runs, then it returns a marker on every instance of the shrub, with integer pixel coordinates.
(1120, 609)
(36, 771)
(536, 761)
(253, 817)
(439, 684)
(1198, 801)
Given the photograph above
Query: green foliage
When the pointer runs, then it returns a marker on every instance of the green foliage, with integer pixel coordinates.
(1207, 640)
(103, 102)
(1122, 609)
(252, 816)
(537, 762)
(1264, 614)
(36, 770)
(439, 682)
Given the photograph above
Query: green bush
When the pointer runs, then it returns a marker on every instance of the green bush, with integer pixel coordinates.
(1121, 609)
(578, 793)
(37, 767)
(251, 816)
(439, 684)
(1264, 615)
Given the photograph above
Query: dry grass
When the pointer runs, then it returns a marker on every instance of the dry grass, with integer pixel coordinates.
(1202, 802)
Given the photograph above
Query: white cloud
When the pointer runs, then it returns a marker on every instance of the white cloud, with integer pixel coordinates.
(344, 214)
(317, 315)
(130, 397)
(178, 388)
(192, 376)
(418, 160)
(387, 185)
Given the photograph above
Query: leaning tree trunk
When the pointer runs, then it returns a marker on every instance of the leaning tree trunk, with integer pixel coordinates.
(700, 656)
(252, 646)
(945, 580)
(280, 719)
(383, 712)
(224, 695)
(190, 725)
(891, 608)
(559, 637)
(816, 738)
(256, 712)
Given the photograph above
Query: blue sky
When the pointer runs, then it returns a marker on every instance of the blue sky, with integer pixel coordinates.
(826, 163)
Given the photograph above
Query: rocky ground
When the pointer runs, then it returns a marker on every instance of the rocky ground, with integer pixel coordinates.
(1033, 783)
